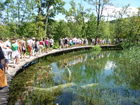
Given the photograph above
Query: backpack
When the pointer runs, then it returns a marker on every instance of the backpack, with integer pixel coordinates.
(1, 54)
(14, 47)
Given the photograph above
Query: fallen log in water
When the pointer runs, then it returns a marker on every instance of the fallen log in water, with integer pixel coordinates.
(64, 86)
(55, 87)
(89, 85)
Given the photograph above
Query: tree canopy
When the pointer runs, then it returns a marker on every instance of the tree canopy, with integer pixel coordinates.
(35, 18)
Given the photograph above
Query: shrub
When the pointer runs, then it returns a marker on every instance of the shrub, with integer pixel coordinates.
(97, 48)
(56, 45)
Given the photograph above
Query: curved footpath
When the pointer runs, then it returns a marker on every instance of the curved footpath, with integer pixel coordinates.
(12, 71)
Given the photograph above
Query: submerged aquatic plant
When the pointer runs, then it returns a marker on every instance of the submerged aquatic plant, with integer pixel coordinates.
(94, 83)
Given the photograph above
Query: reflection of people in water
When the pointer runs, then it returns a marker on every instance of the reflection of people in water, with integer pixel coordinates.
(3, 79)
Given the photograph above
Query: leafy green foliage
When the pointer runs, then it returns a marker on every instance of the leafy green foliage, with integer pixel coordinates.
(56, 45)
(35, 18)
(5, 31)
(97, 48)
(127, 30)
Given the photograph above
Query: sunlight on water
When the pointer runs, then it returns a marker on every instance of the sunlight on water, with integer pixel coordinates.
(109, 65)
(80, 79)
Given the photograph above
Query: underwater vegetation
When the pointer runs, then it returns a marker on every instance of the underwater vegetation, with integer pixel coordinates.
(80, 78)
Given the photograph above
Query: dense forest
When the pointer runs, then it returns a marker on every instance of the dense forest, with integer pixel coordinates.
(35, 18)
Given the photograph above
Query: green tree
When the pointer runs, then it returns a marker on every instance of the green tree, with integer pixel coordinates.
(5, 32)
(98, 6)
(76, 19)
(1, 11)
(91, 27)
(126, 29)
(49, 8)
(61, 30)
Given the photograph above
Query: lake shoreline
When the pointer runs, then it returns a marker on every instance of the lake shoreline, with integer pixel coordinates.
(13, 71)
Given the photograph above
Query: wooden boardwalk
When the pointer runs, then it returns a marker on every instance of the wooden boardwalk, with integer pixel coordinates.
(12, 71)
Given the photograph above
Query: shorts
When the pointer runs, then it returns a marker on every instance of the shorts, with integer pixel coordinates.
(6, 61)
(29, 48)
(2, 61)
(15, 54)
(24, 51)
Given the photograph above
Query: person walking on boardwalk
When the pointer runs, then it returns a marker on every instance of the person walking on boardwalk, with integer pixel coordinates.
(3, 79)
(15, 52)
(2, 57)
(30, 47)
(7, 52)
(23, 48)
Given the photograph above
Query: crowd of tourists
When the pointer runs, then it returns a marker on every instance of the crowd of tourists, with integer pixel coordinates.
(65, 42)
(14, 50)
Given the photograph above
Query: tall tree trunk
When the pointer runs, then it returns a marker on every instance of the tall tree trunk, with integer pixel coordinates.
(38, 16)
(98, 10)
(46, 20)
(18, 11)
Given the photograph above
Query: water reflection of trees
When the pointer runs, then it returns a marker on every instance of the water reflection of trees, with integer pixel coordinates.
(81, 58)
(86, 68)
(127, 73)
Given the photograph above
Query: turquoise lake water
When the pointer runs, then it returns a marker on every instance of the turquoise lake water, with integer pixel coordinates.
(79, 78)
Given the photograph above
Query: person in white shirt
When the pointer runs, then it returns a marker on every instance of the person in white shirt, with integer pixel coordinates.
(51, 42)
(33, 46)
(7, 43)
(7, 51)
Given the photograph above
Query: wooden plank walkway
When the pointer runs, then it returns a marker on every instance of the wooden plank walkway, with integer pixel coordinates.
(12, 71)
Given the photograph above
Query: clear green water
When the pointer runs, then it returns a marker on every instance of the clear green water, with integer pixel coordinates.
(105, 78)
